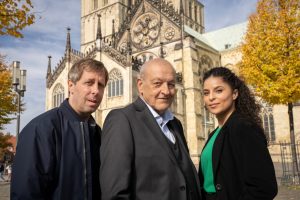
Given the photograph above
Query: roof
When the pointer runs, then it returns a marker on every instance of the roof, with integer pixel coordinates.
(230, 36)
(197, 35)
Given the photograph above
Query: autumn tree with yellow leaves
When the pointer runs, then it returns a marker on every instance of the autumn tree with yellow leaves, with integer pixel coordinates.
(7, 97)
(15, 15)
(271, 56)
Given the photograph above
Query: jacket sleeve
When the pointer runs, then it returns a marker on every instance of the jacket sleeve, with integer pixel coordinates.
(116, 155)
(33, 167)
(256, 165)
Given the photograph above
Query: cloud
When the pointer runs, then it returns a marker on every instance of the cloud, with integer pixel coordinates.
(46, 37)
(222, 13)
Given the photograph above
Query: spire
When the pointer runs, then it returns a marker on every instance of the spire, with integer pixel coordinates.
(181, 7)
(181, 11)
(113, 37)
(68, 45)
(160, 20)
(129, 4)
(49, 67)
(113, 27)
(162, 51)
(129, 48)
(99, 32)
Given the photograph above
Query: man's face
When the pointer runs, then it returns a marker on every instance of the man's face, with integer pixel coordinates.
(86, 94)
(157, 86)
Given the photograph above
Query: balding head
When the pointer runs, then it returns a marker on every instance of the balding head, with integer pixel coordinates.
(152, 63)
(156, 84)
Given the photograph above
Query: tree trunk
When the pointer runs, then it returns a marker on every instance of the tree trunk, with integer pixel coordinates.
(293, 144)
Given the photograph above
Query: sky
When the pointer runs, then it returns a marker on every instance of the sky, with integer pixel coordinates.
(48, 37)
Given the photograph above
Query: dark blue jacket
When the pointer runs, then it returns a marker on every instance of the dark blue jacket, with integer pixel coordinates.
(57, 158)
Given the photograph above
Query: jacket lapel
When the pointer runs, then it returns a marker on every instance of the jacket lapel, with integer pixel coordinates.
(178, 131)
(217, 149)
(219, 142)
(149, 121)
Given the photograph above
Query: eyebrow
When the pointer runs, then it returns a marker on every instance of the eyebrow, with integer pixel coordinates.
(158, 79)
(217, 87)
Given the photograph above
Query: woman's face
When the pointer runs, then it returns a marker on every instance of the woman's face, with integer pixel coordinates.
(219, 97)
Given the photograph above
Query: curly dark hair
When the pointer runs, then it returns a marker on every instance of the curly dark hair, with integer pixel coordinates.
(245, 104)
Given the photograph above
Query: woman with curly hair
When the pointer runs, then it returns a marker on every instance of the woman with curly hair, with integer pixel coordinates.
(235, 163)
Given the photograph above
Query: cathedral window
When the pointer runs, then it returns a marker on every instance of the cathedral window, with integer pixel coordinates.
(58, 95)
(115, 83)
(268, 122)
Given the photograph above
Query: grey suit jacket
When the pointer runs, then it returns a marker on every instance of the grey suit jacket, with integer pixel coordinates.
(137, 161)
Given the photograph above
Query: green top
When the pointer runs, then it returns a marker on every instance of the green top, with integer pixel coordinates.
(206, 164)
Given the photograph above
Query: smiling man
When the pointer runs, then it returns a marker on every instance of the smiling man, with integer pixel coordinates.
(143, 152)
(58, 152)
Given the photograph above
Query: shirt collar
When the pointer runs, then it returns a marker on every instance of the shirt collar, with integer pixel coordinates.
(161, 119)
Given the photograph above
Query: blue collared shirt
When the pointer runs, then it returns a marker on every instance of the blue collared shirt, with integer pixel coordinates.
(162, 121)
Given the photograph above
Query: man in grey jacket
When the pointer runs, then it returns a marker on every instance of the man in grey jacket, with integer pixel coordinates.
(144, 154)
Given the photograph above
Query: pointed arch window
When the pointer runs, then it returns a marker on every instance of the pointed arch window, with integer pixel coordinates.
(58, 95)
(268, 122)
(115, 83)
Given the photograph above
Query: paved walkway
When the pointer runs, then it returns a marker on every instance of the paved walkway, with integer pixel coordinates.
(285, 193)
(4, 190)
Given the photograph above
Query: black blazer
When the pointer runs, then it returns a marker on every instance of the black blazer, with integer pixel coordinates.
(242, 166)
(136, 159)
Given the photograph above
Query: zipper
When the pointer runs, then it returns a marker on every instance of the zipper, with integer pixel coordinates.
(84, 162)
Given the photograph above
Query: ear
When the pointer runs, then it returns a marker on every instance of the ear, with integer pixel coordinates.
(70, 87)
(235, 94)
(140, 86)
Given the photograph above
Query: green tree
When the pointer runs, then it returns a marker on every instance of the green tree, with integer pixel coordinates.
(271, 50)
(14, 16)
(7, 95)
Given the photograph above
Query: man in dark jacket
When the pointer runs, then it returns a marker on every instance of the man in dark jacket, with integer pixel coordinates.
(58, 152)
(144, 154)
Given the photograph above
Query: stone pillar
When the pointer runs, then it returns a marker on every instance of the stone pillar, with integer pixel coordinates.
(192, 98)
